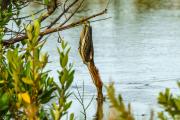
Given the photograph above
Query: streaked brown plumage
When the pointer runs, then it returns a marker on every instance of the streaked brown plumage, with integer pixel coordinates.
(86, 44)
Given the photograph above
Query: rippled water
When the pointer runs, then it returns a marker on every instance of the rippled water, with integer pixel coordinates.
(138, 50)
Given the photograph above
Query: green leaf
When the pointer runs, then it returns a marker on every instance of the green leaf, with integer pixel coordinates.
(47, 99)
(64, 77)
(55, 106)
(67, 106)
(63, 45)
(2, 81)
(53, 114)
(61, 58)
(28, 68)
(4, 101)
(162, 98)
(27, 80)
(50, 81)
(167, 92)
(161, 116)
(67, 52)
(177, 102)
(65, 60)
(29, 29)
(70, 79)
(46, 96)
(36, 28)
(72, 116)
(46, 2)
(59, 51)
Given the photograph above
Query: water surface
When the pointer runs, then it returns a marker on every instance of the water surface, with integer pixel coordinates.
(139, 50)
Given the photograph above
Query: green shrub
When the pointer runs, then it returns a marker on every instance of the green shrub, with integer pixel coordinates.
(170, 103)
(123, 113)
(66, 76)
(25, 87)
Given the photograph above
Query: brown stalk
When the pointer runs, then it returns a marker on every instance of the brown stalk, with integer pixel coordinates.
(96, 79)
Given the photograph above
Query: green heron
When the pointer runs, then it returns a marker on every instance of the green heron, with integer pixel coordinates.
(86, 49)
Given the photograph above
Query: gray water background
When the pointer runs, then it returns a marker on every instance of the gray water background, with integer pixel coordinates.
(139, 50)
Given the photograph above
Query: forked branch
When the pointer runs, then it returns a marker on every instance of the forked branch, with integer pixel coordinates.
(52, 30)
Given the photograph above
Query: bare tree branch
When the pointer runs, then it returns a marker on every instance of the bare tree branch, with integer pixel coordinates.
(65, 10)
(77, 8)
(24, 17)
(52, 30)
(50, 12)
(63, 13)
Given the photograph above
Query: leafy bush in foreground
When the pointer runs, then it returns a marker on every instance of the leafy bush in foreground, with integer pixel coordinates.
(170, 103)
(123, 113)
(25, 87)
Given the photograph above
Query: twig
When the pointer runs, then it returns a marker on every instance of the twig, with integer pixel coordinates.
(54, 22)
(91, 21)
(65, 10)
(23, 5)
(78, 7)
(24, 17)
(49, 13)
(59, 40)
(107, 4)
(12, 31)
(80, 99)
